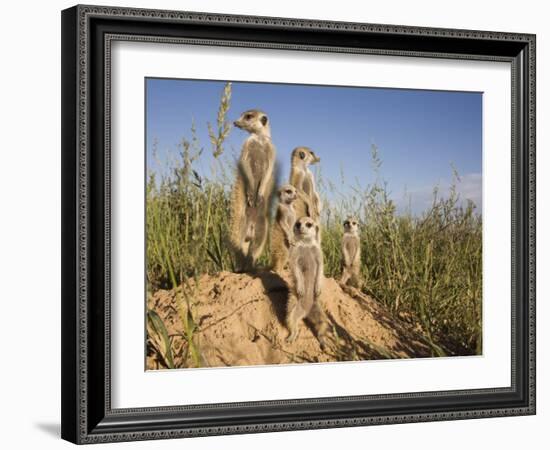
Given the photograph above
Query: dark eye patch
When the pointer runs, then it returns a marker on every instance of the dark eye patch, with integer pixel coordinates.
(302, 155)
(309, 224)
(288, 191)
(248, 116)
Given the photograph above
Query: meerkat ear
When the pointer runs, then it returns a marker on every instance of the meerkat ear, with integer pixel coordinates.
(264, 120)
(302, 155)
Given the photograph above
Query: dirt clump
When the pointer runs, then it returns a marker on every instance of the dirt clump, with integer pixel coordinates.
(239, 320)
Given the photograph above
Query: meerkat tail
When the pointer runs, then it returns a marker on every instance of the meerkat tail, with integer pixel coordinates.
(236, 214)
(238, 229)
(259, 239)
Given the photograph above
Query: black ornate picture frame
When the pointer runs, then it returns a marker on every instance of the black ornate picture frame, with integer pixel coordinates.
(87, 34)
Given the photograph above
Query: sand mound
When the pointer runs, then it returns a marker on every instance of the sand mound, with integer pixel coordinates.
(238, 319)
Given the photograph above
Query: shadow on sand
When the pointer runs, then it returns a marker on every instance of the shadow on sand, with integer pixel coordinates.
(276, 289)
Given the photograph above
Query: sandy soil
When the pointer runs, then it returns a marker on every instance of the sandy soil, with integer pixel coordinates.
(239, 320)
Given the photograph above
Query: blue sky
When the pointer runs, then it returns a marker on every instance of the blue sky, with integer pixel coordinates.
(419, 133)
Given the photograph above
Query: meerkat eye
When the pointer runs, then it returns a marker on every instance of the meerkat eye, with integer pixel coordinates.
(288, 191)
(346, 223)
(248, 117)
(309, 224)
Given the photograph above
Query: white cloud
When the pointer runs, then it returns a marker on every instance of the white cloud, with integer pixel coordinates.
(469, 187)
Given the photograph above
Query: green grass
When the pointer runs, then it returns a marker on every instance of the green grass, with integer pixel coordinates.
(425, 268)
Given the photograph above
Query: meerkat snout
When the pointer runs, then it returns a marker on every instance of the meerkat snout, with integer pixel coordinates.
(351, 225)
(287, 193)
(254, 121)
(306, 227)
(306, 154)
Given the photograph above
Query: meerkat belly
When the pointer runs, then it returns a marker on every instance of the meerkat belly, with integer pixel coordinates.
(290, 219)
(307, 186)
(352, 246)
(308, 267)
(259, 168)
(349, 246)
(258, 157)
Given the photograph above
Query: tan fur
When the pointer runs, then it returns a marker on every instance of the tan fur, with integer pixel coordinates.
(252, 191)
(306, 268)
(309, 202)
(282, 235)
(351, 253)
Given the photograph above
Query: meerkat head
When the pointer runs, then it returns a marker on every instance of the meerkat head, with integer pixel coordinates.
(254, 121)
(306, 229)
(351, 225)
(304, 156)
(287, 194)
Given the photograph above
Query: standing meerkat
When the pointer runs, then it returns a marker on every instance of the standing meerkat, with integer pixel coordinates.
(309, 202)
(282, 235)
(306, 267)
(252, 192)
(351, 253)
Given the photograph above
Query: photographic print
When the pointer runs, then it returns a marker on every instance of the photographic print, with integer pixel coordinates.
(311, 199)
(290, 223)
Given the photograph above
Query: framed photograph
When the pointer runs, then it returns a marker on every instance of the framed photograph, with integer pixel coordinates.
(281, 224)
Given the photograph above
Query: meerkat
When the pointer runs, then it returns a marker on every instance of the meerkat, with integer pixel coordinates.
(252, 191)
(351, 253)
(306, 267)
(309, 202)
(282, 236)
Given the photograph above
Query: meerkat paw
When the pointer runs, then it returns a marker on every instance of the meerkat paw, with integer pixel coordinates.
(292, 336)
(250, 200)
(323, 343)
(259, 202)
